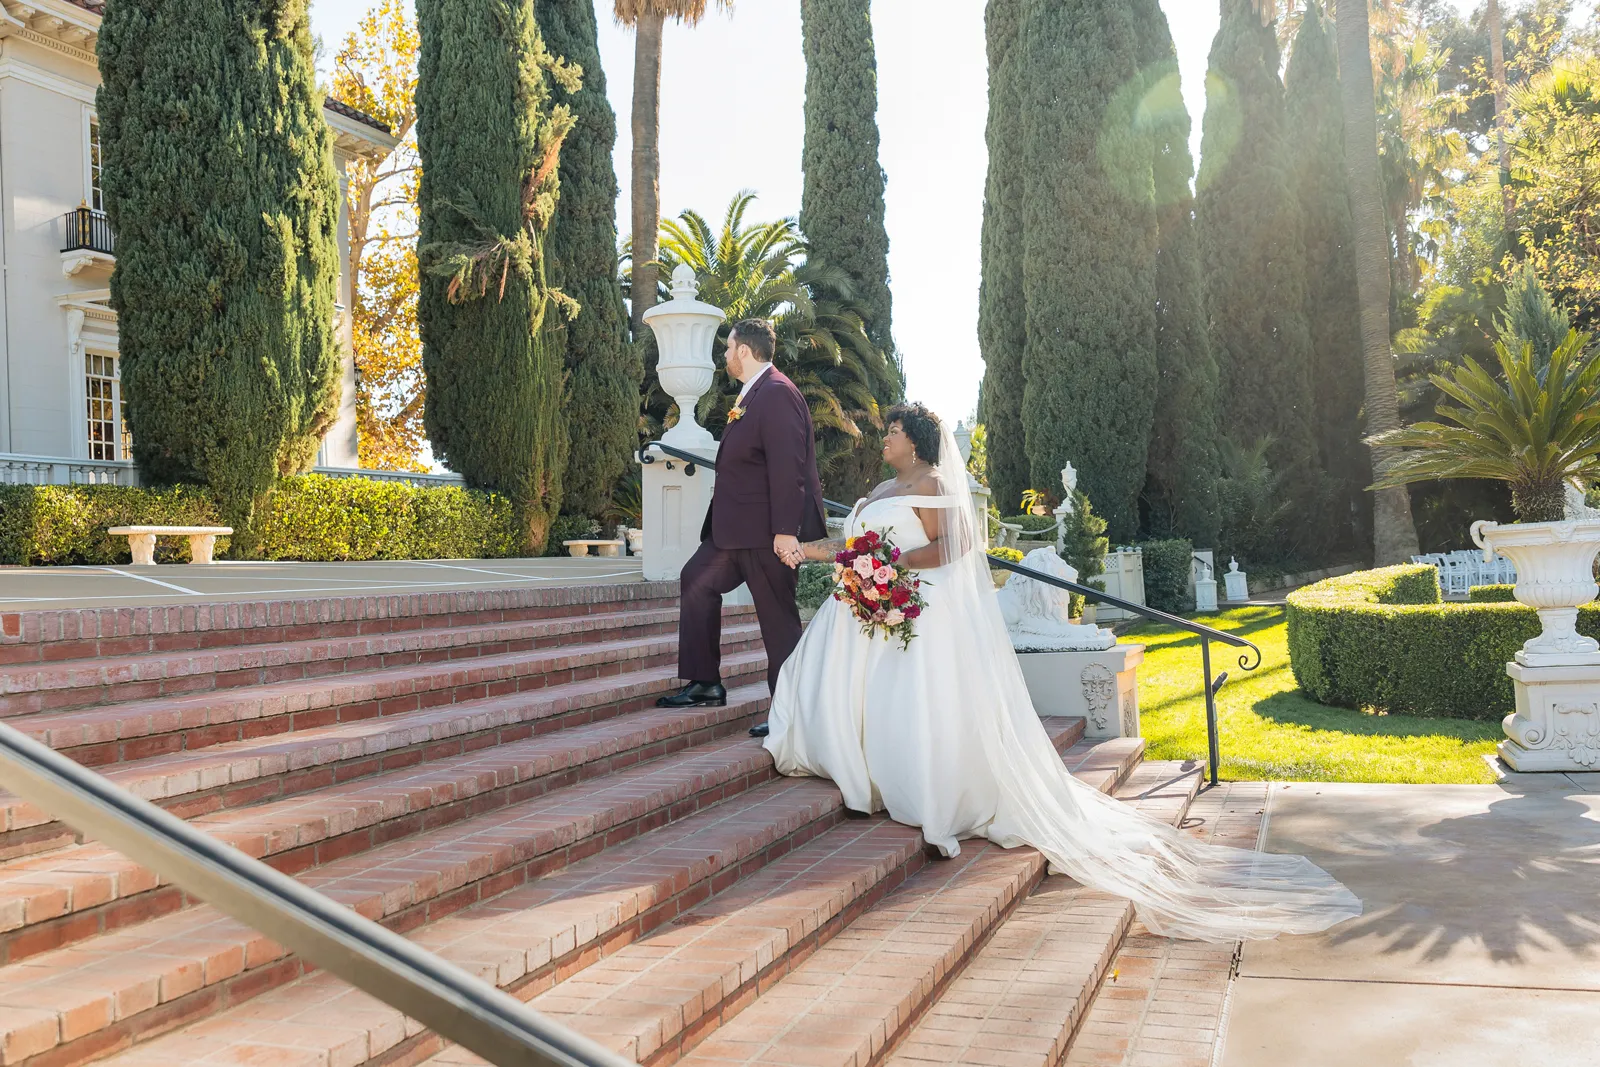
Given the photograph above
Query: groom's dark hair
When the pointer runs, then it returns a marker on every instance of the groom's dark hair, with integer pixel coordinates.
(758, 334)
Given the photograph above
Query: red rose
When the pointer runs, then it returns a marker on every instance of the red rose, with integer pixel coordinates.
(912, 612)
(900, 597)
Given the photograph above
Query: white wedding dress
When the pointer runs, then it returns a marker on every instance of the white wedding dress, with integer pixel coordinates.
(943, 736)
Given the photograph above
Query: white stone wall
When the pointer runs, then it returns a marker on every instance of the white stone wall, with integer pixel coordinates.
(43, 175)
(49, 317)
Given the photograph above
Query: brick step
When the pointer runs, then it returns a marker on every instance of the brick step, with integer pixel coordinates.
(1024, 995)
(75, 1003)
(543, 932)
(774, 917)
(65, 896)
(860, 994)
(84, 633)
(141, 728)
(60, 686)
(255, 769)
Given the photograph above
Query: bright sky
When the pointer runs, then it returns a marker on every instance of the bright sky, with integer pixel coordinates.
(732, 118)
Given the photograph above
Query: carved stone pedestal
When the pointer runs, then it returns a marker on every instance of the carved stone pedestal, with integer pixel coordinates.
(675, 503)
(1100, 687)
(1556, 726)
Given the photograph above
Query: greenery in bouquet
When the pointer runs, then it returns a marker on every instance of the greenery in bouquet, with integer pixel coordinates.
(884, 597)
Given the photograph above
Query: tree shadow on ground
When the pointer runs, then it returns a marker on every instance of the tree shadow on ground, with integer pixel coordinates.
(1294, 708)
(1517, 877)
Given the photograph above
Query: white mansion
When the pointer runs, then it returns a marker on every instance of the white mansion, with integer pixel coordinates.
(60, 403)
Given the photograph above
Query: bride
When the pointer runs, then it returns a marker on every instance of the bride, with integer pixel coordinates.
(943, 735)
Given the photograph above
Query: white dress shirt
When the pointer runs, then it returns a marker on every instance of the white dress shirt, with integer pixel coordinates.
(754, 379)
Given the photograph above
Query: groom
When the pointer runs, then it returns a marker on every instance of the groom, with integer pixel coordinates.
(767, 500)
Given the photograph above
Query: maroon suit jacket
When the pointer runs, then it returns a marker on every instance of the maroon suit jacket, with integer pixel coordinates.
(767, 481)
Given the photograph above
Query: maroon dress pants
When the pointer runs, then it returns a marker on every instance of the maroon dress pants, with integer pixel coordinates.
(710, 573)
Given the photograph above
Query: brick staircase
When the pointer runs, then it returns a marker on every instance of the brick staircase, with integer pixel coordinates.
(486, 773)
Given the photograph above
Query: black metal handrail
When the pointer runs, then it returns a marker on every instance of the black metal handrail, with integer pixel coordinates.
(463, 1008)
(88, 230)
(1207, 634)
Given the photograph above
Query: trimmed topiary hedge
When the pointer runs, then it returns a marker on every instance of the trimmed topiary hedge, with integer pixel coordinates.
(1384, 639)
(1491, 594)
(1031, 523)
(1166, 574)
(313, 518)
(815, 585)
(317, 518)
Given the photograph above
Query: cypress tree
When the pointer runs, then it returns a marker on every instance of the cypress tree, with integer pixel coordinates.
(604, 371)
(492, 348)
(1252, 257)
(1180, 490)
(219, 181)
(1002, 313)
(841, 206)
(1088, 265)
(1333, 308)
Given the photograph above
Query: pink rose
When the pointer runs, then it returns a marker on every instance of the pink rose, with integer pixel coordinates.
(884, 575)
(864, 566)
(893, 617)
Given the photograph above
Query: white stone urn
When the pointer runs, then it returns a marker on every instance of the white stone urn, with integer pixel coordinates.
(1555, 574)
(685, 330)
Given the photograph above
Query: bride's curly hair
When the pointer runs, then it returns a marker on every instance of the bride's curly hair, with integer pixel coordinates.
(921, 426)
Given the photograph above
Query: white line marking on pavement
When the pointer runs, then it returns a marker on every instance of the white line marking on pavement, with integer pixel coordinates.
(152, 581)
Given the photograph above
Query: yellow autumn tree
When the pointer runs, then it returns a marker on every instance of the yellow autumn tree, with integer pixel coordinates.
(376, 72)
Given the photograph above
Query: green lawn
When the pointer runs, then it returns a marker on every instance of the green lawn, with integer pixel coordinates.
(1268, 729)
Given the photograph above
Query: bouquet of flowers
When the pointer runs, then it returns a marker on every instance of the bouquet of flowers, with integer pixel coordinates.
(883, 596)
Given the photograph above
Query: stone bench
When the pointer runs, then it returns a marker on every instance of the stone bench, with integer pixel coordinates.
(142, 540)
(601, 548)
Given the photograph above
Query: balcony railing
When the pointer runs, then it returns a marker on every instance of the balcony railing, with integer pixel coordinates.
(88, 230)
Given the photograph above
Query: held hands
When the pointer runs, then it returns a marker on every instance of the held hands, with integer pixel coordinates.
(787, 548)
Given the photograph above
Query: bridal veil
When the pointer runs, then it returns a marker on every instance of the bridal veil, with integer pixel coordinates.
(1181, 887)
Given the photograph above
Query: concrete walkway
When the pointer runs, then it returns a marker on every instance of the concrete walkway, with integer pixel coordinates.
(31, 588)
(1481, 938)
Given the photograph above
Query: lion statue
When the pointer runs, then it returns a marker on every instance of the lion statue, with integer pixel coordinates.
(1038, 616)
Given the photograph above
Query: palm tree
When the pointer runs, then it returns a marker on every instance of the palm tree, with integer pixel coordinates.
(648, 18)
(1394, 534)
(761, 270)
(1497, 72)
(1531, 427)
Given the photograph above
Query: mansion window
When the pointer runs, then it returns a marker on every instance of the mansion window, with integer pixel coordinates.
(96, 198)
(108, 429)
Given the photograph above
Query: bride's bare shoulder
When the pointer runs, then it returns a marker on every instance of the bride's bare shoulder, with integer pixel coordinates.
(930, 484)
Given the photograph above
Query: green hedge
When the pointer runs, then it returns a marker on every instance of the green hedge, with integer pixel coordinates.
(815, 585)
(313, 518)
(317, 518)
(1166, 574)
(1383, 639)
(1031, 523)
(66, 524)
(1491, 594)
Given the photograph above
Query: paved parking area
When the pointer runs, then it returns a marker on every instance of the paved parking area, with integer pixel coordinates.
(24, 588)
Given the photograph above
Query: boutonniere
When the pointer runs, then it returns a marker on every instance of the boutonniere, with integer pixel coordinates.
(735, 413)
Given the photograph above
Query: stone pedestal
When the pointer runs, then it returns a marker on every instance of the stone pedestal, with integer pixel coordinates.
(1099, 687)
(675, 504)
(1556, 726)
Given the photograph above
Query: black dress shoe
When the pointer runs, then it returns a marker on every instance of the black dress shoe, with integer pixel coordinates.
(758, 730)
(696, 695)
(852, 813)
